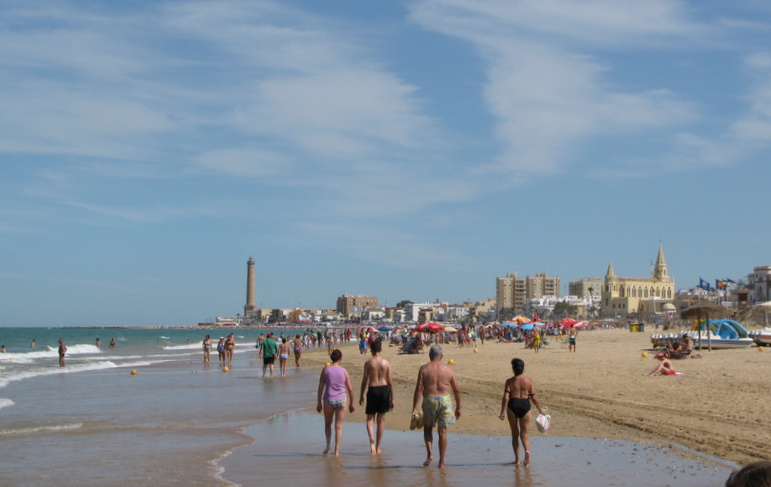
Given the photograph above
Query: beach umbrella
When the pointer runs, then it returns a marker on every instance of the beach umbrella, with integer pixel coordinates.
(704, 309)
(580, 324)
(521, 320)
(384, 328)
(528, 326)
(510, 324)
(567, 322)
(430, 327)
(450, 329)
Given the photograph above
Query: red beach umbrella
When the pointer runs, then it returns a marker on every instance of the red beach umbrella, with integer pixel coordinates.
(430, 327)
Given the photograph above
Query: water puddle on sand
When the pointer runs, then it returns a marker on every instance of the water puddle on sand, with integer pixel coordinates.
(288, 447)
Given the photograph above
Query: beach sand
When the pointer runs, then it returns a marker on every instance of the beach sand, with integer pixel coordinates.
(716, 408)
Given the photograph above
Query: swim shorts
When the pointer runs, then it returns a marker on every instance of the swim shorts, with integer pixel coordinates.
(438, 410)
(268, 360)
(378, 400)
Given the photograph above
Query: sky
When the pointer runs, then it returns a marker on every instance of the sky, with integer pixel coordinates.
(409, 150)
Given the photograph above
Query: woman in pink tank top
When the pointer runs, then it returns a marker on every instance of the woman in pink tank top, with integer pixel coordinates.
(335, 389)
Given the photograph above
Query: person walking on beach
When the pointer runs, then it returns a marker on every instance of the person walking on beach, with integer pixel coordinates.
(230, 346)
(221, 350)
(517, 394)
(206, 348)
(62, 351)
(298, 350)
(572, 340)
(434, 384)
(283, 355)
(334, 389)
(380, 394)
(268, 349)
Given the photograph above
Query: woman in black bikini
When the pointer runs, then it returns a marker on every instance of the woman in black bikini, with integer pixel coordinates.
(517, 394)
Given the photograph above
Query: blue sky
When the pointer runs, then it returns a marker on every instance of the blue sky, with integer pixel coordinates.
(402, 149)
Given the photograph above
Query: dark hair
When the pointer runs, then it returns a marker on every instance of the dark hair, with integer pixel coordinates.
(283, 340)
(518, 365)
(377, 346)
(336, 355)
(757, 474)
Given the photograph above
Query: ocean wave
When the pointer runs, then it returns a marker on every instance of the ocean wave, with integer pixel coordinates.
(5, 403)
(41, 429)
(187, 346)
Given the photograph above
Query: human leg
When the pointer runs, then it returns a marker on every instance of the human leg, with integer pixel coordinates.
(442, 431)
(339, 417)
(328, 416)
(514, 426)
(428, 439)
(371, 432)
(524, 436)
(380, 428)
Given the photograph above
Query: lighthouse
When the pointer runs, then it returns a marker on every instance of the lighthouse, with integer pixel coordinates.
(250, 309)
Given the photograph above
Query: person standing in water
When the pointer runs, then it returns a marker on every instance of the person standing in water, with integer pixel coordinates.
(435, 385)
(335, 390)
(380, 394)
(517, 394)
(62, 351)
(206, 348)
(283, 356)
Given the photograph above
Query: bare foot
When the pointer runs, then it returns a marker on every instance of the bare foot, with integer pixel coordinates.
(441, 465)
(379, 451)
(326, 450)
(337, 453)
(372, 447)
(527, 457)
(428, 461)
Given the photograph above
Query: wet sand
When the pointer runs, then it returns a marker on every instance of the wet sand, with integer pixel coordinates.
(287, 449)
(718, 407)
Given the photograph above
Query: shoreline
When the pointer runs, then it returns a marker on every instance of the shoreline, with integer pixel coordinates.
(602, 392)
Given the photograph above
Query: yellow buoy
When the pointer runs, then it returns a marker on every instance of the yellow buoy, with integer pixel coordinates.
(760, 349)
(133, 372)
(645, 355)
(225, 369)
(451, 362)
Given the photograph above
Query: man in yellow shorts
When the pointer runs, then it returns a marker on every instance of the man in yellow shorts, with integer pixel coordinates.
(435, 382)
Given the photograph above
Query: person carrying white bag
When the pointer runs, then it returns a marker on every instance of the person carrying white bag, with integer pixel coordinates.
(515, 405)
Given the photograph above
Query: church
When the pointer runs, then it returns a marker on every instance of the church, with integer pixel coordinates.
(640, 295)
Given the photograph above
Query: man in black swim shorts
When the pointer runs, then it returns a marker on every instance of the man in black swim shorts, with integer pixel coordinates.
(377, 375)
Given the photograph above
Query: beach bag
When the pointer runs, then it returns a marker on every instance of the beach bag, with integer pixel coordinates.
(543, 421)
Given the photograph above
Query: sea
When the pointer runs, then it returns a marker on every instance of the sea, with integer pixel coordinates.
(151, 412)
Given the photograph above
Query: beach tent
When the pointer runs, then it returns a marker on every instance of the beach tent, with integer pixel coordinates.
(521, 320)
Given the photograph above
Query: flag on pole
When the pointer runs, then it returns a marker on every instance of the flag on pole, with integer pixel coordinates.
(721, 284)
(704, 284)
(730, 281)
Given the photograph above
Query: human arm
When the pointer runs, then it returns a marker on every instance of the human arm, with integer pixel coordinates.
(390, 382)
(505, 400)
(532, 396)
(418, 393)
(349, 388)
(364, 381)
(456, 393)
(320, 391)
